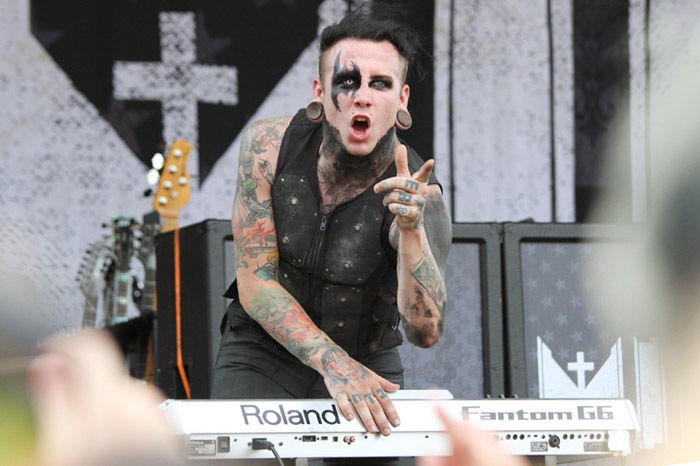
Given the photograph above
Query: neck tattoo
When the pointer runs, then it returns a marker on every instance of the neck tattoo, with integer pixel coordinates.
(349, 168)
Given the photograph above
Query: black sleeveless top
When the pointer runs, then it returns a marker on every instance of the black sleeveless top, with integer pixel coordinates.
(340, 267)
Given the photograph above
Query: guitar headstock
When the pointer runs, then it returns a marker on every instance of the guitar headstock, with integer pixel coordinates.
(174, 189)
(123, 244)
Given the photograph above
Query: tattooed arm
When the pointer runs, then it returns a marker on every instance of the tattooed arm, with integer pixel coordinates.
(422, 234)
(350, 383)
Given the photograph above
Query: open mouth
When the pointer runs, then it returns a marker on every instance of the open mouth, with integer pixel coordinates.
(360, 125)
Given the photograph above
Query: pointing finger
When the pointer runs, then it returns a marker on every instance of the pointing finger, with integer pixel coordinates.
(401, 160)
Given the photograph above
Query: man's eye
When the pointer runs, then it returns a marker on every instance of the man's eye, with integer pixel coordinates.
(381, 85)
(348, 82)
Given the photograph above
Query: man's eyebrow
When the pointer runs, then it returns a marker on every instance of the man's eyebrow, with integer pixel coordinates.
(385, 77)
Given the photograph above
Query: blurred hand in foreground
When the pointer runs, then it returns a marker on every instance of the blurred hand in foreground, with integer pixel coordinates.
(471, 446)
(90, 412)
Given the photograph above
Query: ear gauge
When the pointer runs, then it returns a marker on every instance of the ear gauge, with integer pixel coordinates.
(314, 111)
(403, 119)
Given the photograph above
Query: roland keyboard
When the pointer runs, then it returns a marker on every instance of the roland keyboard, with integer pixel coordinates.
(218, 429)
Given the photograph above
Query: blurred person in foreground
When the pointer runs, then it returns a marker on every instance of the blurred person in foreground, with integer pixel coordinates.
(654, 284)
(67, 400)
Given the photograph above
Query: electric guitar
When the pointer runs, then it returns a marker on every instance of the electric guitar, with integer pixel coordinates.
(91, 278)
(120, 299)
(147, 255)
(173, 193)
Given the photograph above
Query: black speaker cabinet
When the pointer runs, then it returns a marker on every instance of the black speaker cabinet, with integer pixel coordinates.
(206, 268)
(468, 360)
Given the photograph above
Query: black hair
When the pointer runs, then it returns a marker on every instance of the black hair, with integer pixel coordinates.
(378, 25)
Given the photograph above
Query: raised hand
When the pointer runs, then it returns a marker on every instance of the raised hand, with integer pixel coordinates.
(406, 193)
(357, 389)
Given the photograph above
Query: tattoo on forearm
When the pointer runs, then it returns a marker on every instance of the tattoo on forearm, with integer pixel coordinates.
(428, 277)
(275, 309)
(284, 319)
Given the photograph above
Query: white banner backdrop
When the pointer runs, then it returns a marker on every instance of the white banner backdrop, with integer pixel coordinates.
(508, 145)
(65, 171)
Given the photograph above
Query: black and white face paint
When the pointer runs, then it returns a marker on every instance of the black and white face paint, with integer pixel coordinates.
(344, 80)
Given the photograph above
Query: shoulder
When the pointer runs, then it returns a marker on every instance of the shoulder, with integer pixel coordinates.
(265, 135)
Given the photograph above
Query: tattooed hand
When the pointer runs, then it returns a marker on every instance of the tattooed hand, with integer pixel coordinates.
(407, 193)
(352, 385)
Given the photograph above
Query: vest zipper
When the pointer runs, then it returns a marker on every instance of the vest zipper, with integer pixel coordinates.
(312, 290)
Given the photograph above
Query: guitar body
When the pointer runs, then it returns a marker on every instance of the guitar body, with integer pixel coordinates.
(172, 195)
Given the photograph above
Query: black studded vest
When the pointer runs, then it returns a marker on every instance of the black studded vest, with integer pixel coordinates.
(340, 267)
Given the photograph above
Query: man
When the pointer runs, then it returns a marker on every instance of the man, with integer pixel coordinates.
(337, 224)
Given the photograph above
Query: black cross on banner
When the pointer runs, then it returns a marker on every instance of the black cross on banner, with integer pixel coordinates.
(162, 70)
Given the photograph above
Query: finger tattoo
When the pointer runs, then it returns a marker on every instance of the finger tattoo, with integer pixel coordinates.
(356, 398)
(402, 210)
(412, 184)
(405, 197)
(381, 394)
(370, 398)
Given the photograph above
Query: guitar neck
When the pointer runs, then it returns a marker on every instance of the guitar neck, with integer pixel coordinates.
(148, 298)
(169, 222)
(122, 287)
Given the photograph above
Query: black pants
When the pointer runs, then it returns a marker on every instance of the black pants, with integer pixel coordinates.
(251, 365)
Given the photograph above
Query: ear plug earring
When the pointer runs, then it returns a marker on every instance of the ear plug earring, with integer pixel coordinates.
(314, 111)
(403, 119)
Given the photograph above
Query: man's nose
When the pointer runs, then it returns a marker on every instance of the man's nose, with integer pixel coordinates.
(362, 97)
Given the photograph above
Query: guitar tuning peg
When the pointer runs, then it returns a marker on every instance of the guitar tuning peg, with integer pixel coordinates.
(157, 161)
(152, 177)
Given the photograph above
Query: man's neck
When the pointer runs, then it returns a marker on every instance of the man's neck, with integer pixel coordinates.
(337, 166)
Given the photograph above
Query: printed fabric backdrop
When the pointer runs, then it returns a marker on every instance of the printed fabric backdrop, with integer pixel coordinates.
(91, 90)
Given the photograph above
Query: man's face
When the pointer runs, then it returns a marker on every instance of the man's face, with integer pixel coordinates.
(361, 90)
